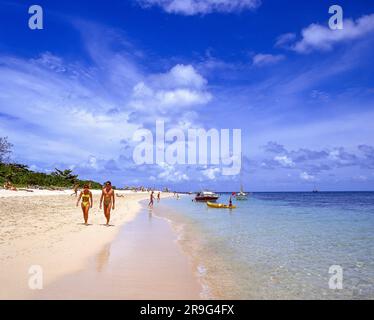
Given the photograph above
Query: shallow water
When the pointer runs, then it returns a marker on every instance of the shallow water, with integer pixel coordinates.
(280, 245)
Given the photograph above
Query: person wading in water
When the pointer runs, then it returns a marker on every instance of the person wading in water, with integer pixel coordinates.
(150, 204)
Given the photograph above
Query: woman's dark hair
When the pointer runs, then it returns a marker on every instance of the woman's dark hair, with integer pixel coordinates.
(86, 186)
(108, 183)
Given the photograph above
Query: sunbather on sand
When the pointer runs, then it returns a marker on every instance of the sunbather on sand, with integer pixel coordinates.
(9, 186)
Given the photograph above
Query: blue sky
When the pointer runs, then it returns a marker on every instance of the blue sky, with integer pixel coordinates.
(72, 94)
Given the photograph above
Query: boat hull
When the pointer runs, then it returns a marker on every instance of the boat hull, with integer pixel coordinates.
(205, 198)
(241, 198)
(219, 206)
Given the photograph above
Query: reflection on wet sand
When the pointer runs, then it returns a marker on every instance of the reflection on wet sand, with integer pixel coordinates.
(102, 258)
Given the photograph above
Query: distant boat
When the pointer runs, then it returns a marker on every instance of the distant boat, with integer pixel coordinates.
(241, 195)
(205, 196)
(315, 190)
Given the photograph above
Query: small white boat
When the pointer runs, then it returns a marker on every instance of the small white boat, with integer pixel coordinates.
(241, 195)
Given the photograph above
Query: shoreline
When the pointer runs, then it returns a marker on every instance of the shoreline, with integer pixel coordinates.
(198, 267)
(208, 291)
(214, 280)
(144, 261)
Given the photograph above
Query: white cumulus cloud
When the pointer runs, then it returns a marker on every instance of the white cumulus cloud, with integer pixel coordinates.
(185, 75)
(285, 161)
(170, 173)
(181, 86)
(211, 173)
(307, 177)
(320, 37)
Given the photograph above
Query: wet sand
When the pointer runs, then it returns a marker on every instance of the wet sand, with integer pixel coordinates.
(143, 262)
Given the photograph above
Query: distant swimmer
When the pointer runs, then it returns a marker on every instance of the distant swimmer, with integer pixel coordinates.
(150, 204)
(109, 200)
(86, 196)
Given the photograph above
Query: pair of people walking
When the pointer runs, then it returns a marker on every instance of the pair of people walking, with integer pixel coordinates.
(107, 196)
(152, 197)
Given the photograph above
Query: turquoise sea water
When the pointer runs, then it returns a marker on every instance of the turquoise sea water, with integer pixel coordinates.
(280, 245)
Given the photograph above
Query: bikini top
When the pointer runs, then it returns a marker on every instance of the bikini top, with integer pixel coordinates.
(85, 197)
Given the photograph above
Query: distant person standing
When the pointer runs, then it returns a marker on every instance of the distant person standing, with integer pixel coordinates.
(151, 198)
(75, 189)
(158, 196)
(108, 196)
(86, 196)
(230, 202)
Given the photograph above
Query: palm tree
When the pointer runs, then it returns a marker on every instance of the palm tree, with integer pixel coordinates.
(66, 175)
(5, 149)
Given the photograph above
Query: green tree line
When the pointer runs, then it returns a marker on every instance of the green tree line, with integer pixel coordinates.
(21, 176)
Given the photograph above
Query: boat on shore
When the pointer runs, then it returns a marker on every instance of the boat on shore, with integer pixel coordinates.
(220, 205)
(205, 196)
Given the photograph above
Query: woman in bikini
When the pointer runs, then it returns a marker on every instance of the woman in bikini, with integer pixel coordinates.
(86, 196)
(109, 200)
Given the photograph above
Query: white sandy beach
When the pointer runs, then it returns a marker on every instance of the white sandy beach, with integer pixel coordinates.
(45, 228)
